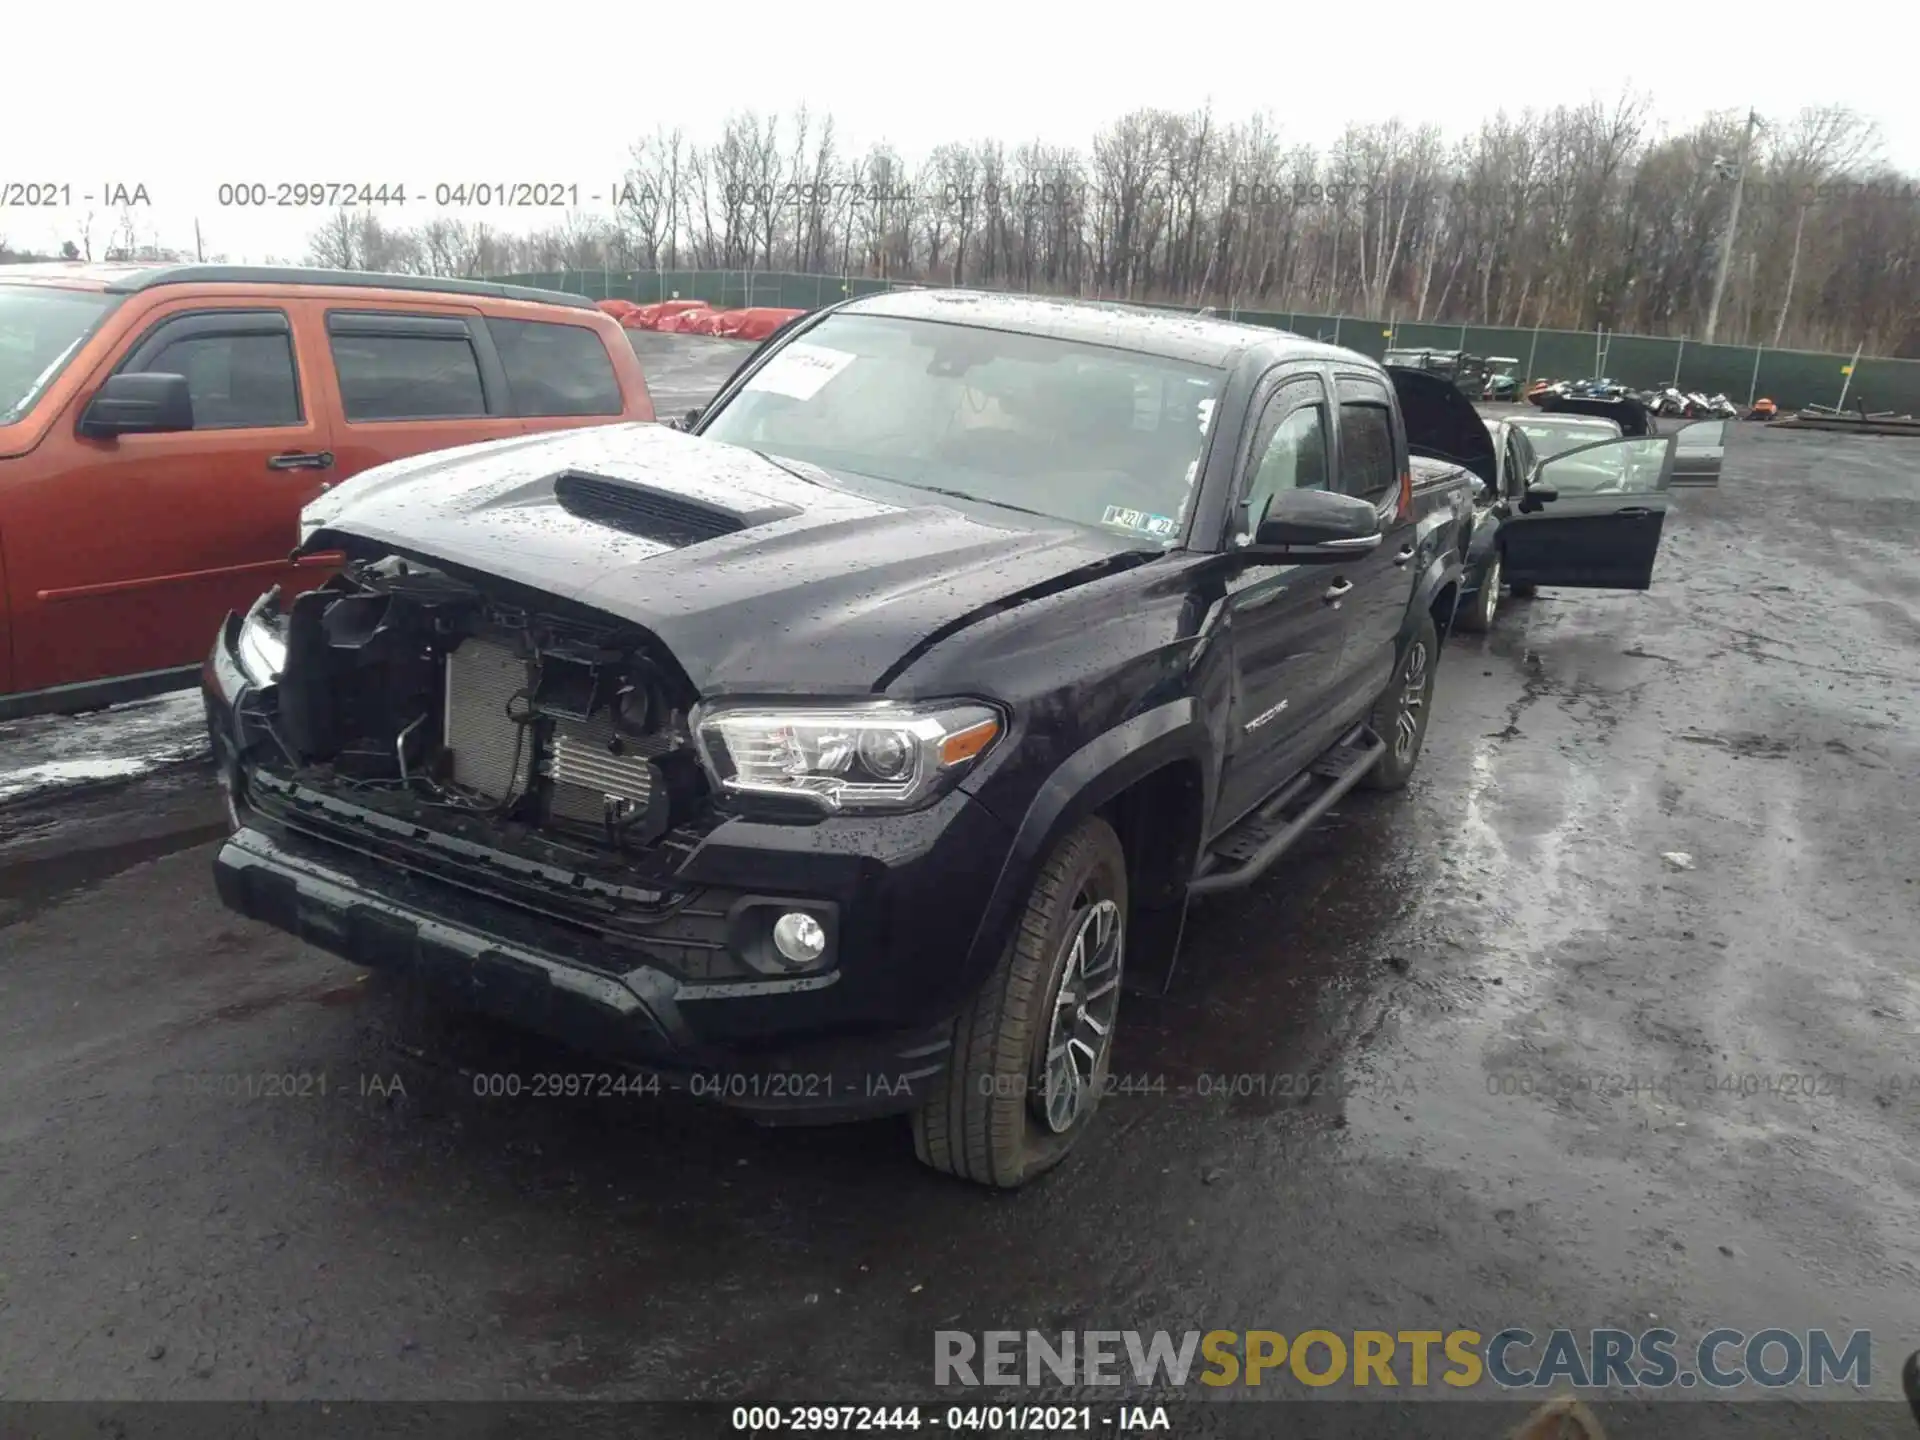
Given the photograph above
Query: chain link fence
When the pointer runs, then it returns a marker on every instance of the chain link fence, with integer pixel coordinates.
(1791, 378)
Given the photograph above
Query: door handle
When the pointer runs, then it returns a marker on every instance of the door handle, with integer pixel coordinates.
(1634, 510)
(302, 460)
(1337, 591)
(1405, 555)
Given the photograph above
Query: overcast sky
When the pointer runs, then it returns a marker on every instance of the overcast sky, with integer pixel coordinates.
(186, 97)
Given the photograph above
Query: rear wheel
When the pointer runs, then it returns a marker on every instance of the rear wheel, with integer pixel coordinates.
(1030, 1053)
(1486, 598)
(1399, 716)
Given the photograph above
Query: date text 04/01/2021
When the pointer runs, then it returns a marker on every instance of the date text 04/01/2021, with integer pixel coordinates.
(448, 195)
(992, 1419)
(702, 1084)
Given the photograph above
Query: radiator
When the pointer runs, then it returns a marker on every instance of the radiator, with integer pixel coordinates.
(596, 773)
(491, 754)
(589, 774)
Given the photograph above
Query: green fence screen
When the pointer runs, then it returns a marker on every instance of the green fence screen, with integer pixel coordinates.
(1791, 378)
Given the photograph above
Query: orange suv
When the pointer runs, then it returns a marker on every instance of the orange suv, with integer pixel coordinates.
(161, 429)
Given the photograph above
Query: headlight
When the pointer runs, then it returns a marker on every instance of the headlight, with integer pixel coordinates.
(262, 647)
(872, 757)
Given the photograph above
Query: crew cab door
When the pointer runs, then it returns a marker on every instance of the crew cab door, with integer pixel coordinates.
(1591, 517)
(1370, 592)
(1285, 633)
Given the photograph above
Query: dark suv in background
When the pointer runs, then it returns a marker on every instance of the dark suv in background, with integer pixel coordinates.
(1467, 373)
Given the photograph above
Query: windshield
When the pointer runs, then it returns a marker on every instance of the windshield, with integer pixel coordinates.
(1555, 437)
(40, 328)
(1101, 437)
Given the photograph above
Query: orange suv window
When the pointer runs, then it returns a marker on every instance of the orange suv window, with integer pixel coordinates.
(405, 367)
(555, 369)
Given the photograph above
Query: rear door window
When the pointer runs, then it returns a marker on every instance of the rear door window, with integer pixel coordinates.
(1367, 467)
(405, 367)
(555, 369)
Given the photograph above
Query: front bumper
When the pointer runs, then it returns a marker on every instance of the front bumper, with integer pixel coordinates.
(866, 1035)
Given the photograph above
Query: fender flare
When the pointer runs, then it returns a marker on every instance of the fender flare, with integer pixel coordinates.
(1442, 570)
(1484, 541)
(1083, 782)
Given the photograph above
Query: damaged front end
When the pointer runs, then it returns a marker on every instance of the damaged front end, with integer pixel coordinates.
(401, 681)
(501, 741)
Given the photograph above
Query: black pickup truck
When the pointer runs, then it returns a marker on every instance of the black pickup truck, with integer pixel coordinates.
(842, 756)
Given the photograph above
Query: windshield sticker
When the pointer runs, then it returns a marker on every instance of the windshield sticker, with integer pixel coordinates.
(1140, 522)
(800, 370)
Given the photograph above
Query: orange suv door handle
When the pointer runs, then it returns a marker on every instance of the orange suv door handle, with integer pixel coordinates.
(301, 460)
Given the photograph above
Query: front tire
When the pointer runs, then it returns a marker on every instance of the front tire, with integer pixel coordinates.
(1399, 716)
(1031, 1051)
(1478, 617)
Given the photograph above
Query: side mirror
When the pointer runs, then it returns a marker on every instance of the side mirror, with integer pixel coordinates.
(1538, 495)
(1315, 524)
(692, 418)
(138, 404)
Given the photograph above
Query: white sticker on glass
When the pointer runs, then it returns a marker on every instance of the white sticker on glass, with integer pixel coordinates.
(800, 369)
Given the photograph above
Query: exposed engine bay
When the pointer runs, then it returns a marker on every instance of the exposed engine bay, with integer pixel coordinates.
(411, 692)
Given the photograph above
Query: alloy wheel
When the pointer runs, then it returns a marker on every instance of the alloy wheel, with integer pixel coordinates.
(1413, 702)
(1080, 1029)
(1489, 597)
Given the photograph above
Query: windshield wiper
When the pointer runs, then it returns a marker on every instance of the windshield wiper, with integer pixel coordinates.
(788, 466)
(980, 500)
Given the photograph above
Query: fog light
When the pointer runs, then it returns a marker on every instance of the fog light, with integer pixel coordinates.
(799, 938)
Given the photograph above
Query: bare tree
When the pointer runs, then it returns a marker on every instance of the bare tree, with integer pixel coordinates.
(1576, 217)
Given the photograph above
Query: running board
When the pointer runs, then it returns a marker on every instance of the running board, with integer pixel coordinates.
(1244, 853)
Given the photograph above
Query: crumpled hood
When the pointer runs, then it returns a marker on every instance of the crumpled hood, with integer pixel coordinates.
(823, 591)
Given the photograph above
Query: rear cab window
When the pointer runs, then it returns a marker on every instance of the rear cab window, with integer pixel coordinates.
(395, 365)
(555, 369)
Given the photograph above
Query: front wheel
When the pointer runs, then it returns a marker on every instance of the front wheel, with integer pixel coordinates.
(1399, 716)
(1030, 1053)
(1486, 599)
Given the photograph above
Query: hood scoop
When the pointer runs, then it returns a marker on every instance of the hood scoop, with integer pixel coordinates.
(657, 515)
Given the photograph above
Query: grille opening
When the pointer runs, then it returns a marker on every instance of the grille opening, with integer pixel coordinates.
(473, 711)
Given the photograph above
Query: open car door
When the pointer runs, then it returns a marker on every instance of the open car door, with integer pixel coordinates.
(1698, 453)
(1591, 517)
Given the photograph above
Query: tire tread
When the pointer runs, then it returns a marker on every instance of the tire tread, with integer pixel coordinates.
(979, 1132)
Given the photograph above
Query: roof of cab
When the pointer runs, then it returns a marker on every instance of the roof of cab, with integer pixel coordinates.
(1172, 334)
(127, 278)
